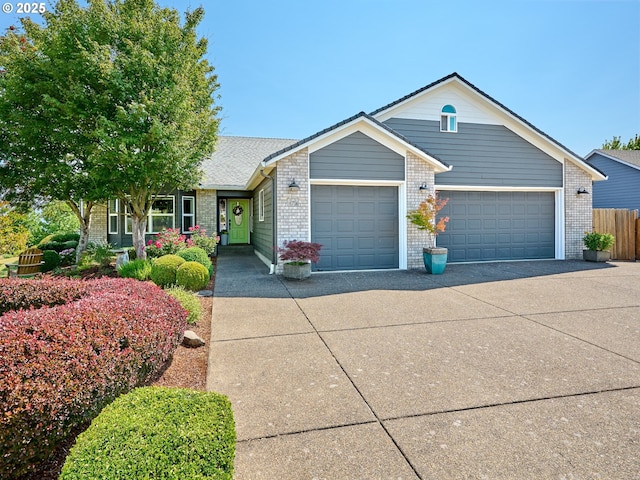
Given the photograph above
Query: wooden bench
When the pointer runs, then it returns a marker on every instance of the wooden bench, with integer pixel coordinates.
(29, 263)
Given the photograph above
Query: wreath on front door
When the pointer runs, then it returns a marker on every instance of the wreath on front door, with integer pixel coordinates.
(237, 210)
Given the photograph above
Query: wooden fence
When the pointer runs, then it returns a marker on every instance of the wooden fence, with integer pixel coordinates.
(625, 225)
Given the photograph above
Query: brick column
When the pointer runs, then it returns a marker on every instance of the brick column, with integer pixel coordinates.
(418, 172)
(577, 209)
(293, 207)
(206, 210)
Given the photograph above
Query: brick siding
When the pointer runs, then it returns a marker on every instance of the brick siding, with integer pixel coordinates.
(418, 172)
(293, 215)
(577, 208)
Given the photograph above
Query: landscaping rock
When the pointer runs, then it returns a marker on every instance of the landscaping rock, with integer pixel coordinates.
(192, 340)
(205, 293)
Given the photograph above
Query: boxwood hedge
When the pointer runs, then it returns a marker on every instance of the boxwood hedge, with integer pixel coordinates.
(157, 432)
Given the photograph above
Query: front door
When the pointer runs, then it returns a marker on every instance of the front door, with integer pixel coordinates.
(238, 211)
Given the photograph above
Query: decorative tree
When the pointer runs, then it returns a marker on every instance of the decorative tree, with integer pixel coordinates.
(114, 100)
(424, 217)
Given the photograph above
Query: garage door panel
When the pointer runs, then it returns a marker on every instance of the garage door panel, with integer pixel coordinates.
(368, 239)
(486, 226)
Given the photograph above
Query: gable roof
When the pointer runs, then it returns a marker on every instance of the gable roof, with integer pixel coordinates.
(363, 119)
(235, 160)
(627, 157)
(455, 77)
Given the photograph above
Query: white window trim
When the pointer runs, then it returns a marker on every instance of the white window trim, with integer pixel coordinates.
(261, 205)
(113, 214)
(192, 215)
(150, 216)
(449, 116)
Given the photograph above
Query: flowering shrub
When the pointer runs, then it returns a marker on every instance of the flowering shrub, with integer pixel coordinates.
(16, 293)
(424, 217)
(200, 239)
(68, 256)
(168, 241)
(61, 365)
(298, 251)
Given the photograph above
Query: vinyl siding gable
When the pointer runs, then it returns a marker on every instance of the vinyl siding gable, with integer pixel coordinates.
(482, 154)
(621, 189)
(356, 157)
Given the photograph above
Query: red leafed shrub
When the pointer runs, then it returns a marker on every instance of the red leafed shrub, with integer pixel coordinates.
(59, 366)
(16, 294)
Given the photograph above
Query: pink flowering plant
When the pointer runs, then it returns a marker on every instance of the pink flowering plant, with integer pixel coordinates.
(200, 239)
(299, 252)
(168, 241)
(424, 217)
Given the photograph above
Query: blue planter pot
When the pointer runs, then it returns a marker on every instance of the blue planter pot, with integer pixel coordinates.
(435, 259)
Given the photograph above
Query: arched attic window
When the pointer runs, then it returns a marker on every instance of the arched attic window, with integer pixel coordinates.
(448, 122)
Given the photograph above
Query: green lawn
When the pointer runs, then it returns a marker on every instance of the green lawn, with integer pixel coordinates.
(3, 270)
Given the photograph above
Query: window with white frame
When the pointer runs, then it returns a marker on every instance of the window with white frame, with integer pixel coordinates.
(448, 121)
(113, 215)
(188, 213)
(261, 206)
(160, 216)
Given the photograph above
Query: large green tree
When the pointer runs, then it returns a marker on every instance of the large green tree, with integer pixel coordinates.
(616, 144)
(114, 100)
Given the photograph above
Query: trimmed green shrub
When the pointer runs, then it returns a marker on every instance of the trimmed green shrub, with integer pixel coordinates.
(65, 237)
(188, 301)
(163, 270)
(157, 432)
(192, 276)
(61, 365)
(58, 246)
(51, 259)
(45, 240)
(138, 269)
(195, 254)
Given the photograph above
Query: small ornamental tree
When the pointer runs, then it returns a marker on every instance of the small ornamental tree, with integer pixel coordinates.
(298, 251)
(424, 217)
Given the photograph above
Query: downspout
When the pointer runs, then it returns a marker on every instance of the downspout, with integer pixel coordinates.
(274, 254)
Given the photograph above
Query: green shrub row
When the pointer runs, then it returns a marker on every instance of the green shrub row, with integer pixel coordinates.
(156, 432)
(181, 270)
(189, 302)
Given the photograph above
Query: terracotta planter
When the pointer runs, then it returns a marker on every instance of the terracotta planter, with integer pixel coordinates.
(435, 259)
(296, 271)
(596, 255)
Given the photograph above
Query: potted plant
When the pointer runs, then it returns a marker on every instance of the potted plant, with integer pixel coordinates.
(224, 237)
(298, 256)
(424, 217)
(598, 245)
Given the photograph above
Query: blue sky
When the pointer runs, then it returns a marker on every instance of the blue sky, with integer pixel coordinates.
(291, 68)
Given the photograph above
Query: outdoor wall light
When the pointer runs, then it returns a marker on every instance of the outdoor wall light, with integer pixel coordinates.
(582, 191)
(293, 186)
(424, 187)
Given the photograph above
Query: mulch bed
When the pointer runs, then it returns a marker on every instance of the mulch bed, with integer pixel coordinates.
(187, 369)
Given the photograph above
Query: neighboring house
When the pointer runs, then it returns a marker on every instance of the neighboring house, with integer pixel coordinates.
(622, 188)
(512, 189)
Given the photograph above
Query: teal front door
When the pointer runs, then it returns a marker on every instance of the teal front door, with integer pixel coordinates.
(238, 221)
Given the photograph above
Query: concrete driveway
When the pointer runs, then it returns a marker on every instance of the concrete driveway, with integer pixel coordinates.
(504, 370)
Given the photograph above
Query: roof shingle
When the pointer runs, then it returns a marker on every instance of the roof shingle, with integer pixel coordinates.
(236, 159)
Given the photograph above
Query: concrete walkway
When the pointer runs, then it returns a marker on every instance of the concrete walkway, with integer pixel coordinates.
(504, 370)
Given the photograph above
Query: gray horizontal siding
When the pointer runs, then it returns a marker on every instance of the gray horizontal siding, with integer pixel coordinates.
(482, 154)
(262, 237)
(621, 190)
(356, 157)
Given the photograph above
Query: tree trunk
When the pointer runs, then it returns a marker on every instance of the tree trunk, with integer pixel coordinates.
(85, 222)
(139, 227)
